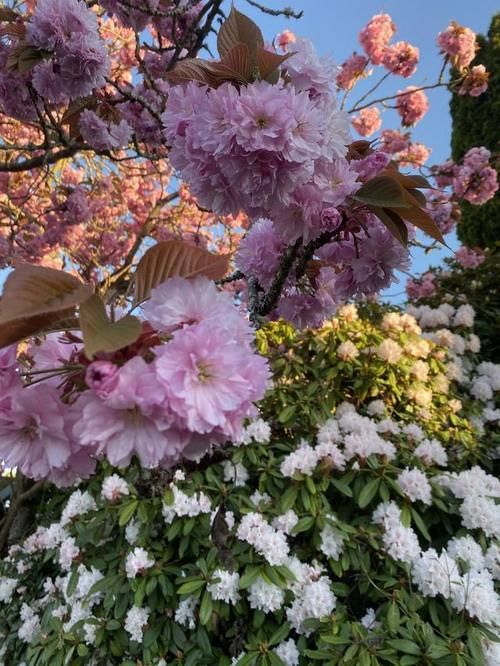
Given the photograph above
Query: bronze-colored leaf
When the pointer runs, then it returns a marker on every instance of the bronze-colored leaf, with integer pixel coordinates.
(17, 30)
(7, 14)
(35, 298)
(268, 62)
(190, 69)
(422, 220)
(382, 191)
(237, 60)
(23, 58)
(239, 29)
(418, 196)
(176, 258)
(357, 150)
(407, 181)
(394, 223)
(100, 334)
(71, 116)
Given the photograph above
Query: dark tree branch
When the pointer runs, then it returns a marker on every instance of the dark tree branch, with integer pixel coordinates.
(287, 12)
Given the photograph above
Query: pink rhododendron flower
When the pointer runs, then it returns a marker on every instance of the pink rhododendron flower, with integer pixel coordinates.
(412, 106)
(475, 186)
(458, 43)
(376, 35)
(368, 121)
(401, 58)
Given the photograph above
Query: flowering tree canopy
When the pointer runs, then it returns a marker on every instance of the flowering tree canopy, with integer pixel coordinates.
(157, 210)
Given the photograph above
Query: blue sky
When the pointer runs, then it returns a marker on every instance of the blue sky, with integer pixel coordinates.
(333, 26)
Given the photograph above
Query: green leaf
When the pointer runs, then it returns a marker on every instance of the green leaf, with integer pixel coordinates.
(382, 191)
(249, 577)
(393, 617)
(403, 645)
(420, 524)
(127, 512)
(100, 334)
(286, 414)
(206, 608)
(191, 586)
(341, 487)
(303, 525)
(280, 634)
(368, 492)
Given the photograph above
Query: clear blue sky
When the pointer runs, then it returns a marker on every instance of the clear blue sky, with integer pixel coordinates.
(333, 26)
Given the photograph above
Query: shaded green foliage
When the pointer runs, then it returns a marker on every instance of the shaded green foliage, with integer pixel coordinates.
(476, 122)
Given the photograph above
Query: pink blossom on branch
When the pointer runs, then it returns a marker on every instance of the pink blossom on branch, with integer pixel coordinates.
(368, 121)
(401, 59)
(458, 43)
(376, 35)
(475, 82)
(412, 106)
(351, 71)
(469, 258)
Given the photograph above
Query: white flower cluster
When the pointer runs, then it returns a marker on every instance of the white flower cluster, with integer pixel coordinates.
(137, 562)
(400, 542)
(185, 612)
(78, 504)
(332, 542)
(478, 489)
(235, 473)
(406, 322)
(389, 351)
(256, 431)
(315, 599)
(265, 596)
(267, 541)
(444, 315)
(227, 587)
(347, 351)
(7, 587)
(114, 487)
(288, 653)
(30, 624)
(415, 485)
(431, 451)
(486, 381)
(186, 505)
(135, 621)
(472, 591)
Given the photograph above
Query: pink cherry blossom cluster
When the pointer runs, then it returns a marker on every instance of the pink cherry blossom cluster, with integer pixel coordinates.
(422, 288)
(475, 180)
(368, 121)
(168, 396)
(400, 58)
(351, 71)
(459, 44)
(412, 105)
(469, 258)
(475, 82)
(75, 58)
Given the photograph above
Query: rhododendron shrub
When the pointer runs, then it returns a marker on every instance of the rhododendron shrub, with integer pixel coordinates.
(468, 277)
(362, 528)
